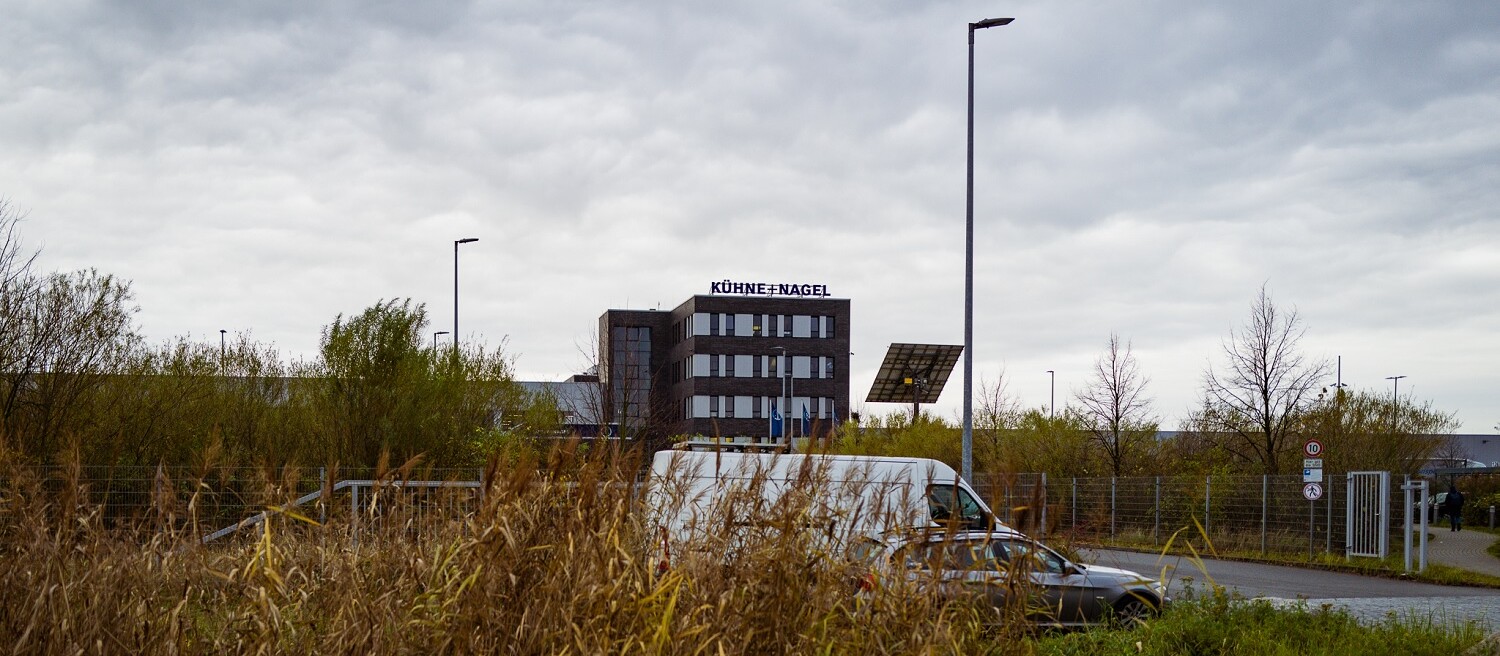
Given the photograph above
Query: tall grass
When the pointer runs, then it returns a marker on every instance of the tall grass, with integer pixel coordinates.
(554, 557)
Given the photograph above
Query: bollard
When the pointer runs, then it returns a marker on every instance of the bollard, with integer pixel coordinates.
(1492, 517)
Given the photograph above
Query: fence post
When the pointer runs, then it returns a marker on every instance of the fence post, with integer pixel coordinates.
(1208, 494)
(323, 503)
(1156, 513)
(1328, 531)
(1010, 506)
(1265, 480)
(1111, 507)
(1043, 529)
(1075, 505)
(354, 514)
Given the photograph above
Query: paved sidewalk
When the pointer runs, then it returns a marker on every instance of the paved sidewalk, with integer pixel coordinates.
(1463, 549)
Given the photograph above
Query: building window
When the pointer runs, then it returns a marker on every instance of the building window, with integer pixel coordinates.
(700, 324)
(744, 325)
(802, 326)
(742, 406)
(828, 367)
(713, 366)
(743, 366)
(713, 406)
(713, 324)
(729, 324)
(701, 365)
(801, 366)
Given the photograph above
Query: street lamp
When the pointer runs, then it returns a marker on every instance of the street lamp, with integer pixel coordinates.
(466, 240)
(1052, 406)
(434, 339)
(221, 347)
(968, 463)
(1395, 384)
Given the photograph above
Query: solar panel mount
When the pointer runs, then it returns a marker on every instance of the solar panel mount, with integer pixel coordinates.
(914, 373)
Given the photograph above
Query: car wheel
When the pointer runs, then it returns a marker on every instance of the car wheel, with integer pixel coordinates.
(1133, 611)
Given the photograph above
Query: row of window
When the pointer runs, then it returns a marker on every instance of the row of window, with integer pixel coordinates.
(707, 365)
(756, 407)
(704, 324)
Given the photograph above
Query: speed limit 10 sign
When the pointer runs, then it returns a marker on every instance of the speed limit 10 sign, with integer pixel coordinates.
(1312, 449)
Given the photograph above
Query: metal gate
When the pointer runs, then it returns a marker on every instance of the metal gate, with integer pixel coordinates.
(1367, 508)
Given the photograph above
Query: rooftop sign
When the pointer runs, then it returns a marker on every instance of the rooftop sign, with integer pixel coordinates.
(728, 286)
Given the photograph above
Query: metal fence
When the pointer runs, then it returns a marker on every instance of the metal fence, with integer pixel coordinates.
(208, 504)
(1245, 513)
(1242, 513)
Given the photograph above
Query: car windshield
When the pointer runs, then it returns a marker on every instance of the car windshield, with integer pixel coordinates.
(950, 501)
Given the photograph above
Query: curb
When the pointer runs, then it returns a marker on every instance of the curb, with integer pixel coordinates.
(1326, 567)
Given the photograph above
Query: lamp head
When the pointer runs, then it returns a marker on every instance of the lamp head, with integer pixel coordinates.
(466, 240)
(990, 22)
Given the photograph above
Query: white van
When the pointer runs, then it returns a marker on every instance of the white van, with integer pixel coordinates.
(696, 494)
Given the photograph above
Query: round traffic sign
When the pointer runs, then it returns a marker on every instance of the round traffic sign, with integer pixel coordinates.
(1312, 491)
(1312, 448)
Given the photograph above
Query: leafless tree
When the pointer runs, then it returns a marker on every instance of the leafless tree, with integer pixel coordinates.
(18, 288)
(1253, 407)
(1115, 406)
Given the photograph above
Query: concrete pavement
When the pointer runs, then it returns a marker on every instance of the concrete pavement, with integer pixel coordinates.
(1463, 549)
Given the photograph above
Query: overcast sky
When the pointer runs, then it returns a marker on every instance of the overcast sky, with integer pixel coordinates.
(1140, 168)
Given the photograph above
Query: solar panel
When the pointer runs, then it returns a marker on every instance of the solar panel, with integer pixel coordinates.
(914, 373)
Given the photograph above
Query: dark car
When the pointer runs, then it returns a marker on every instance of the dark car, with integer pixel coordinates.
(1434, 510)
(1060, 592)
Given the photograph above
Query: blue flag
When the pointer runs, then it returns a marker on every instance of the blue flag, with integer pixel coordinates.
(806, 419)
(775, 421)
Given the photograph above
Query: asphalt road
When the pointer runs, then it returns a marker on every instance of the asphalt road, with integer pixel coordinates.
(1366, 597)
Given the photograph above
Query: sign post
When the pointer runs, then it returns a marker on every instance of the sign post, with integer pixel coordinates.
(1312, 483)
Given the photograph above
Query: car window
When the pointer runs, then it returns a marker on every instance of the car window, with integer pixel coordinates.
(944, 500)
(1029, 556)
(952, 555)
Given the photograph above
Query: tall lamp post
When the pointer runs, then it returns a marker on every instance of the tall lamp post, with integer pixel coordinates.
(968, 463)
(221, 347)
(1395, 384)
(1052, 405)
(786, 409)
(466, 240)
(434, 339)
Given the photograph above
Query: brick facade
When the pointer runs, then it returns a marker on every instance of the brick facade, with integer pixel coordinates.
(679, 388)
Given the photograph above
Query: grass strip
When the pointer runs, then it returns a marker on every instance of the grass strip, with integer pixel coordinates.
(1218, 623)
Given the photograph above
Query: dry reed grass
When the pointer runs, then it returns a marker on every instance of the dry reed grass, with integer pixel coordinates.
(555, 557)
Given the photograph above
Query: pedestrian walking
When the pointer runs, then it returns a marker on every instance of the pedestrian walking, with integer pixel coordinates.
(1453, 506)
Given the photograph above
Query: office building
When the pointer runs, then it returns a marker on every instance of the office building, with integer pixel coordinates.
(727, 365)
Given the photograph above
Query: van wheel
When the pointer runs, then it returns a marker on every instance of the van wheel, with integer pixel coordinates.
(1134, 611)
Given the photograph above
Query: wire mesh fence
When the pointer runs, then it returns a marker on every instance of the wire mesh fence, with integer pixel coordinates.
(208, 504)
(1268, 514)
(1239, 513)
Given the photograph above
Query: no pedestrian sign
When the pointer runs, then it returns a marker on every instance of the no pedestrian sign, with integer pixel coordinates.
(1312, 491)
(1312, 449)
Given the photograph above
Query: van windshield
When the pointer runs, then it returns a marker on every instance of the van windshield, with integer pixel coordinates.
(943, 506)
